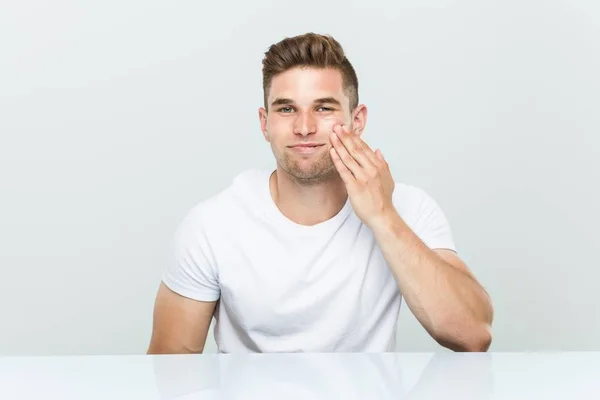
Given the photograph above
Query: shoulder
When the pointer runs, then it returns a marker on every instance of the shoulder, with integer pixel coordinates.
(239, 196)
(424, 216)
(411, 200)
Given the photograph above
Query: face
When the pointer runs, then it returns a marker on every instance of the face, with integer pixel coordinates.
(303, 106)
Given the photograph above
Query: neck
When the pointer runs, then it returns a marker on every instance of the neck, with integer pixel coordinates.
(304, 203)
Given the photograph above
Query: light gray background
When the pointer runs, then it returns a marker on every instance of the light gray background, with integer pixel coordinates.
(117, 117)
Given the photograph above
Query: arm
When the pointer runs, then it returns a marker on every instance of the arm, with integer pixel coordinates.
(180, 325)
(189, 290)
(438, 287)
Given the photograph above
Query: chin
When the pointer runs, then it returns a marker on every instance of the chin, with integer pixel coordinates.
(312, 175)
(306, 169)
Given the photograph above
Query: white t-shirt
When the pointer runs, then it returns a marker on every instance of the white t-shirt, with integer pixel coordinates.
(285, 287)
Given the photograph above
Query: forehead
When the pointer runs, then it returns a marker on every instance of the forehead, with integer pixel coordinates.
(306, 84)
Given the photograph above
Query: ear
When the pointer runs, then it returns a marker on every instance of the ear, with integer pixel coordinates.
(359, 119)
(262, 116)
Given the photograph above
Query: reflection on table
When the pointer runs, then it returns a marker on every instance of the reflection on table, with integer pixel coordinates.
(322, 376)
(395, 376)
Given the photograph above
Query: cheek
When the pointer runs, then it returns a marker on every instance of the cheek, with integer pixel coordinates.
(272, 124)
(327, 123)
(278, 128)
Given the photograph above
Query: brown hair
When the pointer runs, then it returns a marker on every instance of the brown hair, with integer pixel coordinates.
(309, 50)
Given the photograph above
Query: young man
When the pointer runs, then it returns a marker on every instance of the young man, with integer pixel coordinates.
(317, 255)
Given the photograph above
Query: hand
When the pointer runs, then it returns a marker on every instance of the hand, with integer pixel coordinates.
(366, 175)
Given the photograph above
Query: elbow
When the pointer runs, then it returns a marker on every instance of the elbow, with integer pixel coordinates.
(477, 339)
(162, 348)
(480, 341)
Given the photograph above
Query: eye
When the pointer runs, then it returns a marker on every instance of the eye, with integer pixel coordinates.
(325, 108)
(285, 109)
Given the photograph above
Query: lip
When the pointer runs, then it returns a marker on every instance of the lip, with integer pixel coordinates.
(306, 147)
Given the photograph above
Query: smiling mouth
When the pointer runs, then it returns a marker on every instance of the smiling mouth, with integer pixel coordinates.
(306, 146)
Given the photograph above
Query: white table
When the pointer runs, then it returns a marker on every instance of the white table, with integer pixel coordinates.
(305, 376)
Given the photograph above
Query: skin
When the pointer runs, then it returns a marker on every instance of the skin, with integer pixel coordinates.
(312, 187)
(307, 188)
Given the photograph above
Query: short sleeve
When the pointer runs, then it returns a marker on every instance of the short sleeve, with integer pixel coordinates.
(191, 270)
(431, 224)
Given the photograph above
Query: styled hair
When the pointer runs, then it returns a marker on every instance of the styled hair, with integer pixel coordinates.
(309, 50)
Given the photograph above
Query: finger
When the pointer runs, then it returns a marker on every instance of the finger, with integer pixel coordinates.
(364, 146)
(344, 172)
(370, 161)
(382, 160)
(346, 158)
(353, 146)
(370, 154)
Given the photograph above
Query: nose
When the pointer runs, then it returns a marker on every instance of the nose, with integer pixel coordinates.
(305, 124)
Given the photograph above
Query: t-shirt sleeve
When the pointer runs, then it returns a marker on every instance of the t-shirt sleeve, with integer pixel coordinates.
(191, 270)
(431, 224)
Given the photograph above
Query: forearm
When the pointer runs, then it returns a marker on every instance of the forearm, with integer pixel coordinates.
(449, 303)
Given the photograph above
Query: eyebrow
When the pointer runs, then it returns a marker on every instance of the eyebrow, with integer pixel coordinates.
(322, 100)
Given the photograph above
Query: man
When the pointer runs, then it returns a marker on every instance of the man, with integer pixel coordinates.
(317, 255)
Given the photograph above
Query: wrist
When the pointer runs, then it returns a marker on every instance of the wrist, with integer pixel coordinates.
(388, 222)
